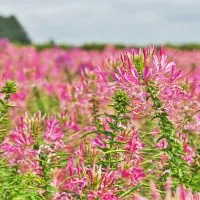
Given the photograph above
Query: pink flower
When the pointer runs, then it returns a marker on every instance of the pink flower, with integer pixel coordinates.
(21, 138)
(21, 135)
(63, 196)
(26, 159)
(134, 145)
(12, 153)
(183, 194)
(135, 175)
(163, 66)
(155, 193)
(30, 162)
(147, 73)
(53, 132)
(102, 194)
(162, 144)
(98, 142)
(72, 122)
(138, 197)
(76, 185)
(63, 93)
(175, 74)
(190, 153)
(126, 76)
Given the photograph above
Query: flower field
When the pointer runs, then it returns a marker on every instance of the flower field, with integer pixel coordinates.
(99, 125)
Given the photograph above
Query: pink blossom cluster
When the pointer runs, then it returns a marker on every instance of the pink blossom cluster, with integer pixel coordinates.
(63, 142)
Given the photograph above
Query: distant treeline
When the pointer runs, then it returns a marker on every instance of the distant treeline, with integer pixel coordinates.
(100, 47)
(188, 46)
(91, 46)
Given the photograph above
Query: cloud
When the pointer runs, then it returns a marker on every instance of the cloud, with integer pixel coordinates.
(126, 21)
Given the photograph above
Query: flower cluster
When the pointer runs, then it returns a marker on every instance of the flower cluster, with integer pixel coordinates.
(104, 125)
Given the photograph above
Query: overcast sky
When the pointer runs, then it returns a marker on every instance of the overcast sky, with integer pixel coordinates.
(112, 21)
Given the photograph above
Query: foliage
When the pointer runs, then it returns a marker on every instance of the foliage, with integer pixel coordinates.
(11, 28)
(7, 90)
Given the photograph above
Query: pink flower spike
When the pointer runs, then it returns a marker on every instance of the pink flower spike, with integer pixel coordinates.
(156, 62)
(71, 166)
(116, 77)
(175, 74)
(196, 196)
(154, 190)
(138, 197)
(163, 60)
(169, 66)
(135, 74)
(53, 132)
(146, 73)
